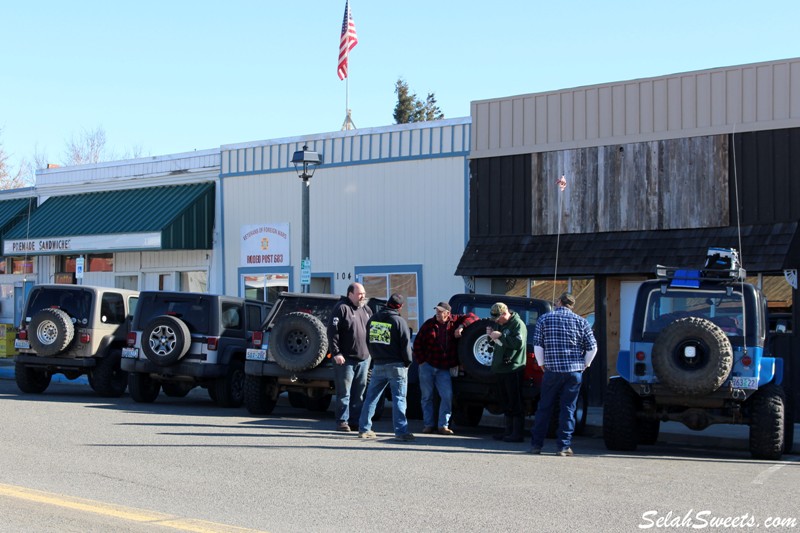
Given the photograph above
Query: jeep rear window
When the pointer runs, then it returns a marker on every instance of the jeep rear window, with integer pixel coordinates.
(718, 307)
(76, 303)
(193, 311)
(320, 308)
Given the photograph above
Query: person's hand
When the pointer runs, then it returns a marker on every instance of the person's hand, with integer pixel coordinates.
(507, 360)
(338, 359)
(494, 335)
(459, 331)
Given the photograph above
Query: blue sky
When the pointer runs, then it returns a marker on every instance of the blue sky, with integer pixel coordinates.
(171, 76)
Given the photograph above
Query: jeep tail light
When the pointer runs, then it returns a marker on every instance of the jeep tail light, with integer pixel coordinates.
(131, 340)
(746, 361)
(213, 342)
(22, 334)
(640, 356)
(85, 338)
(258, 339)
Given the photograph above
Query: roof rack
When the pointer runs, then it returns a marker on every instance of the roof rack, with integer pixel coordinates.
(682, 277)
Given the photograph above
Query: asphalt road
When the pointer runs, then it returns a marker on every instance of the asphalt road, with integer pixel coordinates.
(71, 461)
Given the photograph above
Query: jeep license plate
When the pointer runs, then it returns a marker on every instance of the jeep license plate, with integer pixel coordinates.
(254, 354)
(130, 353)
(741, 382)
(19, 343)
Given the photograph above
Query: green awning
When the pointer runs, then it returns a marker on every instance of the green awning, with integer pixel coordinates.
(14, 211)
(176, 217)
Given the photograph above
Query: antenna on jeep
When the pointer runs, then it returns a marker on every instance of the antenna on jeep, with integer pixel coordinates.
(739, 235)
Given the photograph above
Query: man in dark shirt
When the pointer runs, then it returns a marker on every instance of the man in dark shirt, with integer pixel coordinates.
(347, 341)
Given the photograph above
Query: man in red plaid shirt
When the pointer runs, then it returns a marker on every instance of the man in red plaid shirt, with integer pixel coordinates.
(436, 352)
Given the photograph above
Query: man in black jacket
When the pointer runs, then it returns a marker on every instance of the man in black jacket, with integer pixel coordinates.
(389, 342)
(347, 341)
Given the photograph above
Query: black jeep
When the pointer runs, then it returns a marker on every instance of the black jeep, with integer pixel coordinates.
(181, 340)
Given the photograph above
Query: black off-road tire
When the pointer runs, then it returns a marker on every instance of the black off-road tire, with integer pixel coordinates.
(259, 394)
(176, 389)
(319, 404)
(468, 415)
(50, 332)
(619, 416)
(414, 402)
(142, 387)
(647, 430)
(767, 422)
(699, 375)
(230, 387)
(298, 341)
(107, 378)
(165, 340)
(31, 380)
(475, 350)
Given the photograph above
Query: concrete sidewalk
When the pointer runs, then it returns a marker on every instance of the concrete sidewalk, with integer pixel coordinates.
(717, 436)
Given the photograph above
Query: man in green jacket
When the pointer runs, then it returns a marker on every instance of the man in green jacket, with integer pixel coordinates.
(508, 362)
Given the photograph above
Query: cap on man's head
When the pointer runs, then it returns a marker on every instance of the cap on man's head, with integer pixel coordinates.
(567, 298)
(498, 310)
(396, 301)
(443, 306)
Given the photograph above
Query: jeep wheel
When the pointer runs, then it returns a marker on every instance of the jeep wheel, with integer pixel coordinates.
(31, 380)
(107, 378)
(414, 402)
(165, 340)
(766, 422)
(619, 416)
(467, 415)
(475, 350)
(298, 341)
(230, 387)
(319, 404)
(260, 394)
(142, 387)
(51, 331)
(176, 389)
(692, 356)
(647, 431)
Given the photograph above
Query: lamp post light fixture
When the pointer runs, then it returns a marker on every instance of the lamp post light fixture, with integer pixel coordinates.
(305, 163)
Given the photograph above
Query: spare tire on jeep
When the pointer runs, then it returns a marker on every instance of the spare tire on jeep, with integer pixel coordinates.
(475, 350)
(165, 340)
(692, 356)
(51, 330)
(298, 341)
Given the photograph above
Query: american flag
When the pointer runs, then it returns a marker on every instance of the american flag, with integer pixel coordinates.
(348, 41)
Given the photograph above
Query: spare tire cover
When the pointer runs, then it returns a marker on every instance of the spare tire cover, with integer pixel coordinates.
(692, 356)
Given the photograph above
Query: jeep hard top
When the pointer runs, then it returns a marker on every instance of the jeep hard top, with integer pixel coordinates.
(699, 354)
(74, 330)
(181, 340)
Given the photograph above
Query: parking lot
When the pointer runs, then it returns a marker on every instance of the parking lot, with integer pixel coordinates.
(179, 462)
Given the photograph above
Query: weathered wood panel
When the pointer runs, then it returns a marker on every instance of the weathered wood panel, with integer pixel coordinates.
(669, 184)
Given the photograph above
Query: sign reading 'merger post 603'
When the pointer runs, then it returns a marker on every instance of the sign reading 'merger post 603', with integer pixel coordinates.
(265, 245)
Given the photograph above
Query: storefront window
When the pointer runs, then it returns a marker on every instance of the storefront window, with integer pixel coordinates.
(194, 281)
(384, 285)
(265, 287)
(779, 300)
(3, 265)
(21, 265)
(100, 263)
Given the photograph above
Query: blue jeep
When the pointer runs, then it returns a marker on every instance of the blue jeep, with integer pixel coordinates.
(699, 355)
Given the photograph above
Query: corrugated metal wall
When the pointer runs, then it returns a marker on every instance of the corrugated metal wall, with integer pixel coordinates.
(743, 98)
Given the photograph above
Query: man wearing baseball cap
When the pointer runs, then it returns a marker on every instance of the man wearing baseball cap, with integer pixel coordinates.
(508, 362)
(436, 352)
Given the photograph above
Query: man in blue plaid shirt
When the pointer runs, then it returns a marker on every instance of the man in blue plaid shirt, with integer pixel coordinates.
(564, 346)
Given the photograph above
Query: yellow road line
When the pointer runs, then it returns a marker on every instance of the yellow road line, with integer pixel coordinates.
(120, 512)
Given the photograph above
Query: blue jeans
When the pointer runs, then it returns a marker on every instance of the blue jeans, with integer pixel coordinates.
(431, 377)
(563, 387)
(396, 376)
(351, 382)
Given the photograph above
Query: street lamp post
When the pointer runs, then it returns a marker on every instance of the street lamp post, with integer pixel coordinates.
(305, 163)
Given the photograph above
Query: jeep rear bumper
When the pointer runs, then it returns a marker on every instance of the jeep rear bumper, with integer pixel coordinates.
(323, 372)
(194, 370)
(56, 363)
(665, 396)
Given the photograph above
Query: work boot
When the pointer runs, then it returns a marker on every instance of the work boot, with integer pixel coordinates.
(509, 429)
(517, 424)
